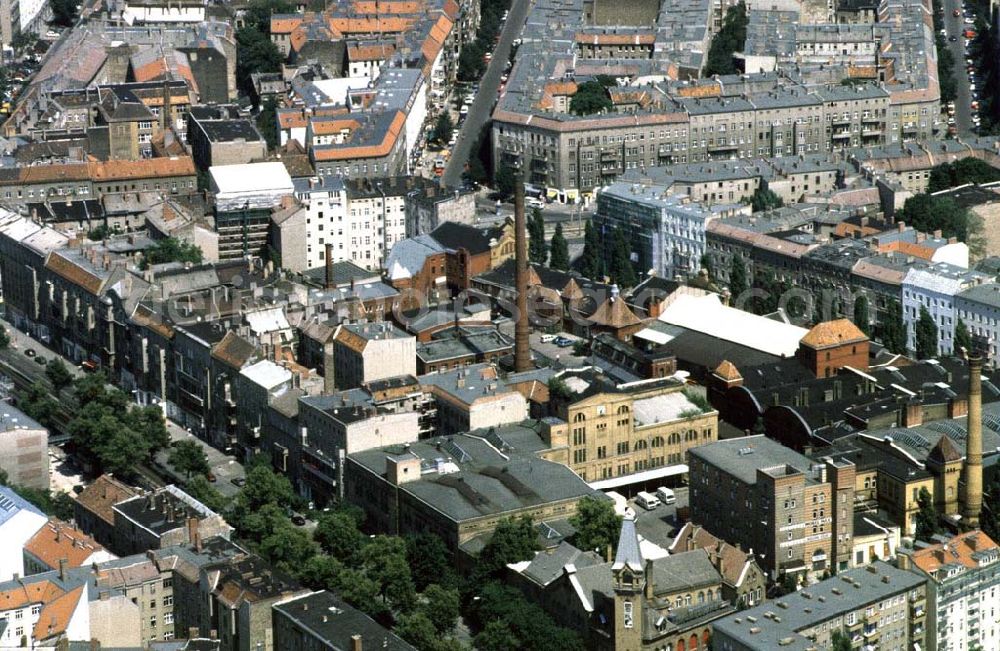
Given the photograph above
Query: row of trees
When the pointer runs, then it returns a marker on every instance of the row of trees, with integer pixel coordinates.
(945, 59)
(603, 258)
(406, 583)
(891, 331)
(966, 170)
(556, 252)
(471, 64)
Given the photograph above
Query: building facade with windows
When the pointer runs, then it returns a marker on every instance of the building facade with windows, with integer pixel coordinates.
(797, 515)
(963, 591)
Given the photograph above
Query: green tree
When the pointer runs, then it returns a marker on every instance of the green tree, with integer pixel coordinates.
(37, 402)
(254, 53)
(441, 607)
(430, 561)
(188, 457)
(258, 13)
(926, 334)
(497, 636)
(590, 97)
(58, 374)
(538, 249)
(264, 487)
(559, 250)
(339, 536)
(267, 122)
(927, 523)
(287, 547)
(597, 525)
(738, 283)
(726, 42)
(930, 213)
(361, 592)
(443, 128)
(840, 642)
(765, 199)
(514, 539)
(417, 629)
(63, 12)
(622, 271)
(170, 249)
(4, 338)
(590, 260)
(384, 562)
(504, 180)
(200, 489)
(990, 517)
(963, 340)
(893, 329)
(966, 170)
(861, 316)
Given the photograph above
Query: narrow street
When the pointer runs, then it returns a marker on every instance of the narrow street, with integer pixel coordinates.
(955, 27)
(482, 107)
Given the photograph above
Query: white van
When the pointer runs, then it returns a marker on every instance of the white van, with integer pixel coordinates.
(666, 495)
(647, 501)
(548, 338)
(621, 504)
(533, 202)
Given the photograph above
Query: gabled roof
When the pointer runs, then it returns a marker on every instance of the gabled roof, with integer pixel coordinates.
(11, 504)
(57, 540)
(56, 614)
(833, 333)
(234, 350)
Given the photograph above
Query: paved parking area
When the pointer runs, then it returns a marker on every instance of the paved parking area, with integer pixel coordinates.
(660, 525)
(554, 353)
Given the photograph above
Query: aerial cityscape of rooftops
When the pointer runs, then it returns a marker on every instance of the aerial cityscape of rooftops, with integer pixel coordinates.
(500, 325)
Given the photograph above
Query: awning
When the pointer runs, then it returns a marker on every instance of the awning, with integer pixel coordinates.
(644, 476)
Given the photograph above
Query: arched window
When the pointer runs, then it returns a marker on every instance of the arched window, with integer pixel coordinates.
(657, 441)
(623, 409)
(680, 645)
(706, 637)
(693, 642)
(579, 418)
(701, 597)
(640, 445)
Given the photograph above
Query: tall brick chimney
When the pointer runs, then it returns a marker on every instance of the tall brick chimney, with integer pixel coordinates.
(522, 347)
(972, 502)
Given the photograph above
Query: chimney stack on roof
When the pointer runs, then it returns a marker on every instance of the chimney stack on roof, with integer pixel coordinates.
(522, 330)
(972, 503)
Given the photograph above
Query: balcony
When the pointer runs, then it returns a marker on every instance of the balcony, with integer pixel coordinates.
(910, 127)
(731, 146)
(841, 135)
(842, 119)
(871, 133)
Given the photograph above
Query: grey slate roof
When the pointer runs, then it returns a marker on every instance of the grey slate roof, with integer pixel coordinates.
(628, 554)
(818, 603)
(742, 457)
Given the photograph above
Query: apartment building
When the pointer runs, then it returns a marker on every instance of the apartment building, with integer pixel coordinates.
(877, 606)
(933, 288)
(797, 515)
(365, 352)
(617, 434)
(978, 307)
(162, 518)
(665, 230)
(962, 591)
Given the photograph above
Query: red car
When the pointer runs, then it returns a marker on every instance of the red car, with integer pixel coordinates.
(956, 13)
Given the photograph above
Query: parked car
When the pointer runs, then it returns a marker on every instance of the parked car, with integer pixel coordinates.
(647, 501)
(563, 342)
(30, 352)
(239, 481)
(41, 361)
(666, 495)
(298, 520)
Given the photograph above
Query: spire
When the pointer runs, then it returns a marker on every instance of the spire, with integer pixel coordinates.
(628, 555)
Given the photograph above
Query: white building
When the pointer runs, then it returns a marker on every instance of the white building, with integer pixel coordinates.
(157, 12)
(24, 448)
(375, 220)
(325, 201)
(41, 614)
(665, 230)
(250, 185)
(978, 307)
(19, 522)
(934, 288)
(963, 592)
